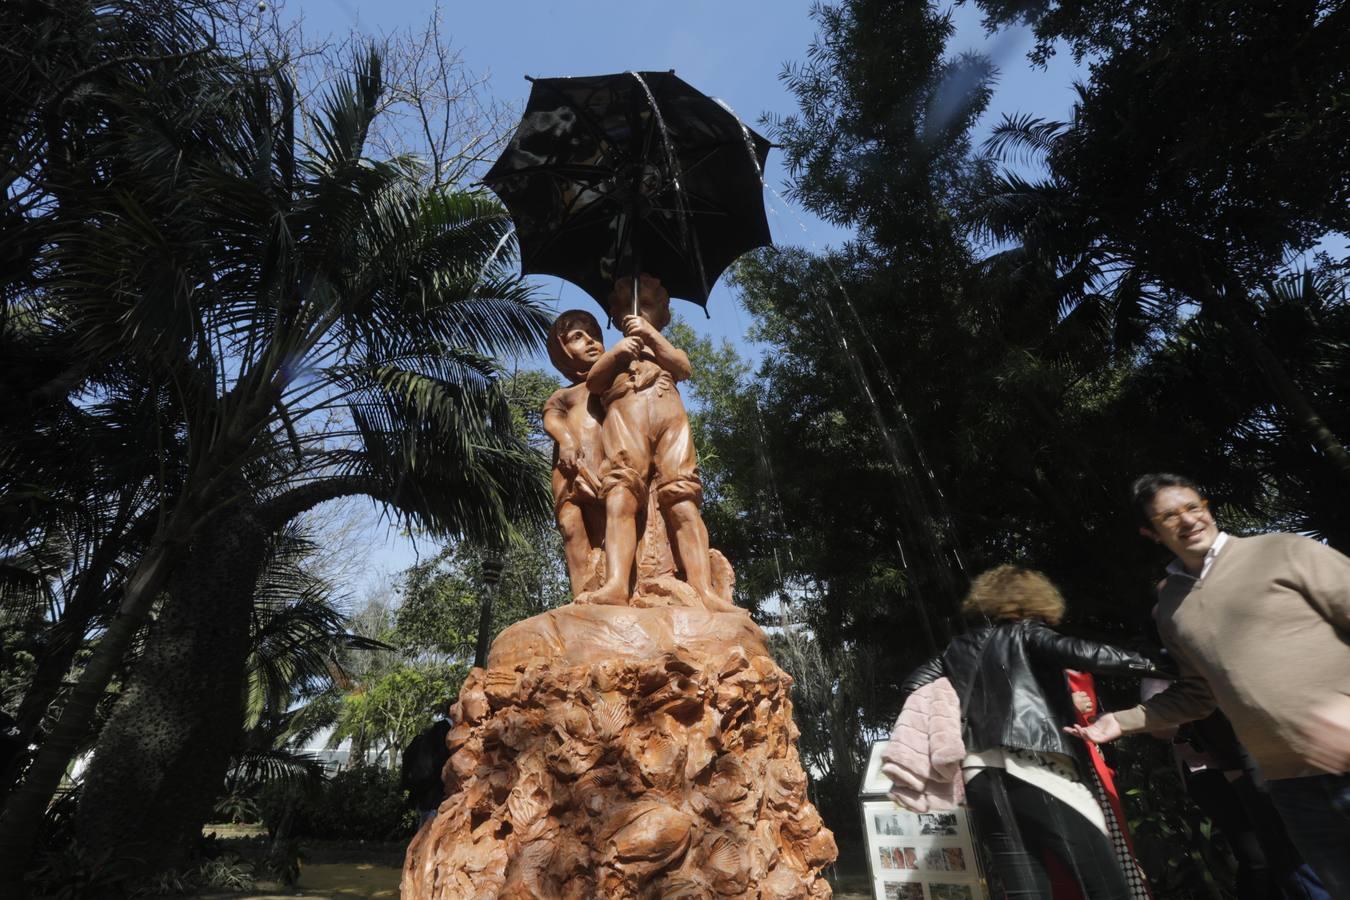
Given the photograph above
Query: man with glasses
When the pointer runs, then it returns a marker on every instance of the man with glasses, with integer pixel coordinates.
(1259, 627)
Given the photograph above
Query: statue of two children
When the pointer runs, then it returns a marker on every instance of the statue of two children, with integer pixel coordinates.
(622, 433)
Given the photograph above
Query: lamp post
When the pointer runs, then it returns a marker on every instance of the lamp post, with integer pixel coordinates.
(492, 573)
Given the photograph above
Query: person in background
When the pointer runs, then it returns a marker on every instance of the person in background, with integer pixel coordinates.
(423, 760)
(1259, 627)
(1024, 783)
(1219, 779)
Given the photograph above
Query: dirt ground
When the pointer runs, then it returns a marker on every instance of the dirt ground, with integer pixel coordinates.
(356, 871)
(358, 881)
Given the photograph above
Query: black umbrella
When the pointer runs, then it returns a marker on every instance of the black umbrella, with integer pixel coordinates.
(608, 175)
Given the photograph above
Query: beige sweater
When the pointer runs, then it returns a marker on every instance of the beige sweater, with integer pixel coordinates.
(1265, 636)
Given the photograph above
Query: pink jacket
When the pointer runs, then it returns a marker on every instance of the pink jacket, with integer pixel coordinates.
(923, 757)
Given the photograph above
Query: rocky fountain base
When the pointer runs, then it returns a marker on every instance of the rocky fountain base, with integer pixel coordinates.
(624, 752)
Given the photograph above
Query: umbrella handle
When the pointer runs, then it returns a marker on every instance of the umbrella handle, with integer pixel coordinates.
(637, 275)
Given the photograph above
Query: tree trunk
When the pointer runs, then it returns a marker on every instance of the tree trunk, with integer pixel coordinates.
(163, 755)
(66, 636)
(484, 642)
(21, 821)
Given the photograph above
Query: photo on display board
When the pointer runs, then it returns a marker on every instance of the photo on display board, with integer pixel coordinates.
(892, 824)
(937, 823)
(934, 860)
(956, 859)
(950, 892)
(900, 858)
(903, 890)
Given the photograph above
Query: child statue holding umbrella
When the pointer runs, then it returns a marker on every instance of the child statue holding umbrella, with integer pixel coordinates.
(647, 445)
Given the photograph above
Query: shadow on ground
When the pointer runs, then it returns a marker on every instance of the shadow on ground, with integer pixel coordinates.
(347, 870)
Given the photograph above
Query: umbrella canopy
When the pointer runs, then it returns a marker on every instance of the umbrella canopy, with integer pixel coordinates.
(608, 175)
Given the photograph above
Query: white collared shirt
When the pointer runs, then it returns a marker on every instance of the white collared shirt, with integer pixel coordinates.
(1177, 567)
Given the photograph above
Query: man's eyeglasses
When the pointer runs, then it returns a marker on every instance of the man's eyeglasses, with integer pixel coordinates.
(1172, 517)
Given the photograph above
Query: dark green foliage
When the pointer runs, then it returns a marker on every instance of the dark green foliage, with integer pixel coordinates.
(360, 803)
(442, 595)
(979, 375)
(73, 874)
(225, 309)
(1179, 848)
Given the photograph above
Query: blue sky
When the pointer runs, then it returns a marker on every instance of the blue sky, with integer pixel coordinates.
(731, 49)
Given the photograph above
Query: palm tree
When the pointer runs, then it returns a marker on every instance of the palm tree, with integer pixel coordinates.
(1126, 273)
(314, 323)
(299, 650)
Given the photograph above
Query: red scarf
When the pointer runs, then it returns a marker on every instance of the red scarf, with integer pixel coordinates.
(1082, 681)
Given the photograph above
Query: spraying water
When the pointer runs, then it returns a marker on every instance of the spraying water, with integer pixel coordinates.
(689, 238)
(915, 482)
(492, 257)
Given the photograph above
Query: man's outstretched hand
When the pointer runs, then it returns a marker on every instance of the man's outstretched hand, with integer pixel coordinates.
(1103, 731)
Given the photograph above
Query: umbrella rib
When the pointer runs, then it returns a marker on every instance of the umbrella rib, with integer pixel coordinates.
(685, 170)
(572, 205)
(700, 197)
(553, 169)
(692, 212)
(687, 234)
(553, 236)
(691, 233)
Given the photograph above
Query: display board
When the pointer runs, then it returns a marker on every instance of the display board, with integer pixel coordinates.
(916, 856)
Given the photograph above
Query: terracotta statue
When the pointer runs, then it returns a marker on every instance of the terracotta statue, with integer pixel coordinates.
(648, 446)
(637, 743)
(572, 418)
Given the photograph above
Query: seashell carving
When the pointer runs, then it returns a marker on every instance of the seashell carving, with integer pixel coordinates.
(726, 864)
(610, 719)
(783, 884)
(647, 836)
(683, 886)
(660, 759)
(529, 800)
(666, 776)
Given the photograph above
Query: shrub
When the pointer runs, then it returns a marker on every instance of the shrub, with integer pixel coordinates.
(361, 803)
(71, 873)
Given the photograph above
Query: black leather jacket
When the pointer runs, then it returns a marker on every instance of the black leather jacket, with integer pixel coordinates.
(1010, 678)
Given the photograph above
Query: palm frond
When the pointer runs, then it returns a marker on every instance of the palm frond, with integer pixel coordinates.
(1024, 137)
(274, 765)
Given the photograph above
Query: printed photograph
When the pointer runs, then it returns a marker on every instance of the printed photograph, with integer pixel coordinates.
(937, 823)
(950, 892)
(911, 858)
(904, 890)
(887, 858)
(956, 859)
(934, 860)
(892, 824)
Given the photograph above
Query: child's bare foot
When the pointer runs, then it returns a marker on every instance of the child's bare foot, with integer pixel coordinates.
(605, 595)
(714, 603)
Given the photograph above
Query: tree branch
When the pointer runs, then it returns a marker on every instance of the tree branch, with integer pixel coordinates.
(281, 509)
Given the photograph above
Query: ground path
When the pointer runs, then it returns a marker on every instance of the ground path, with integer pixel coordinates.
(361, 881)
(350, 870)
